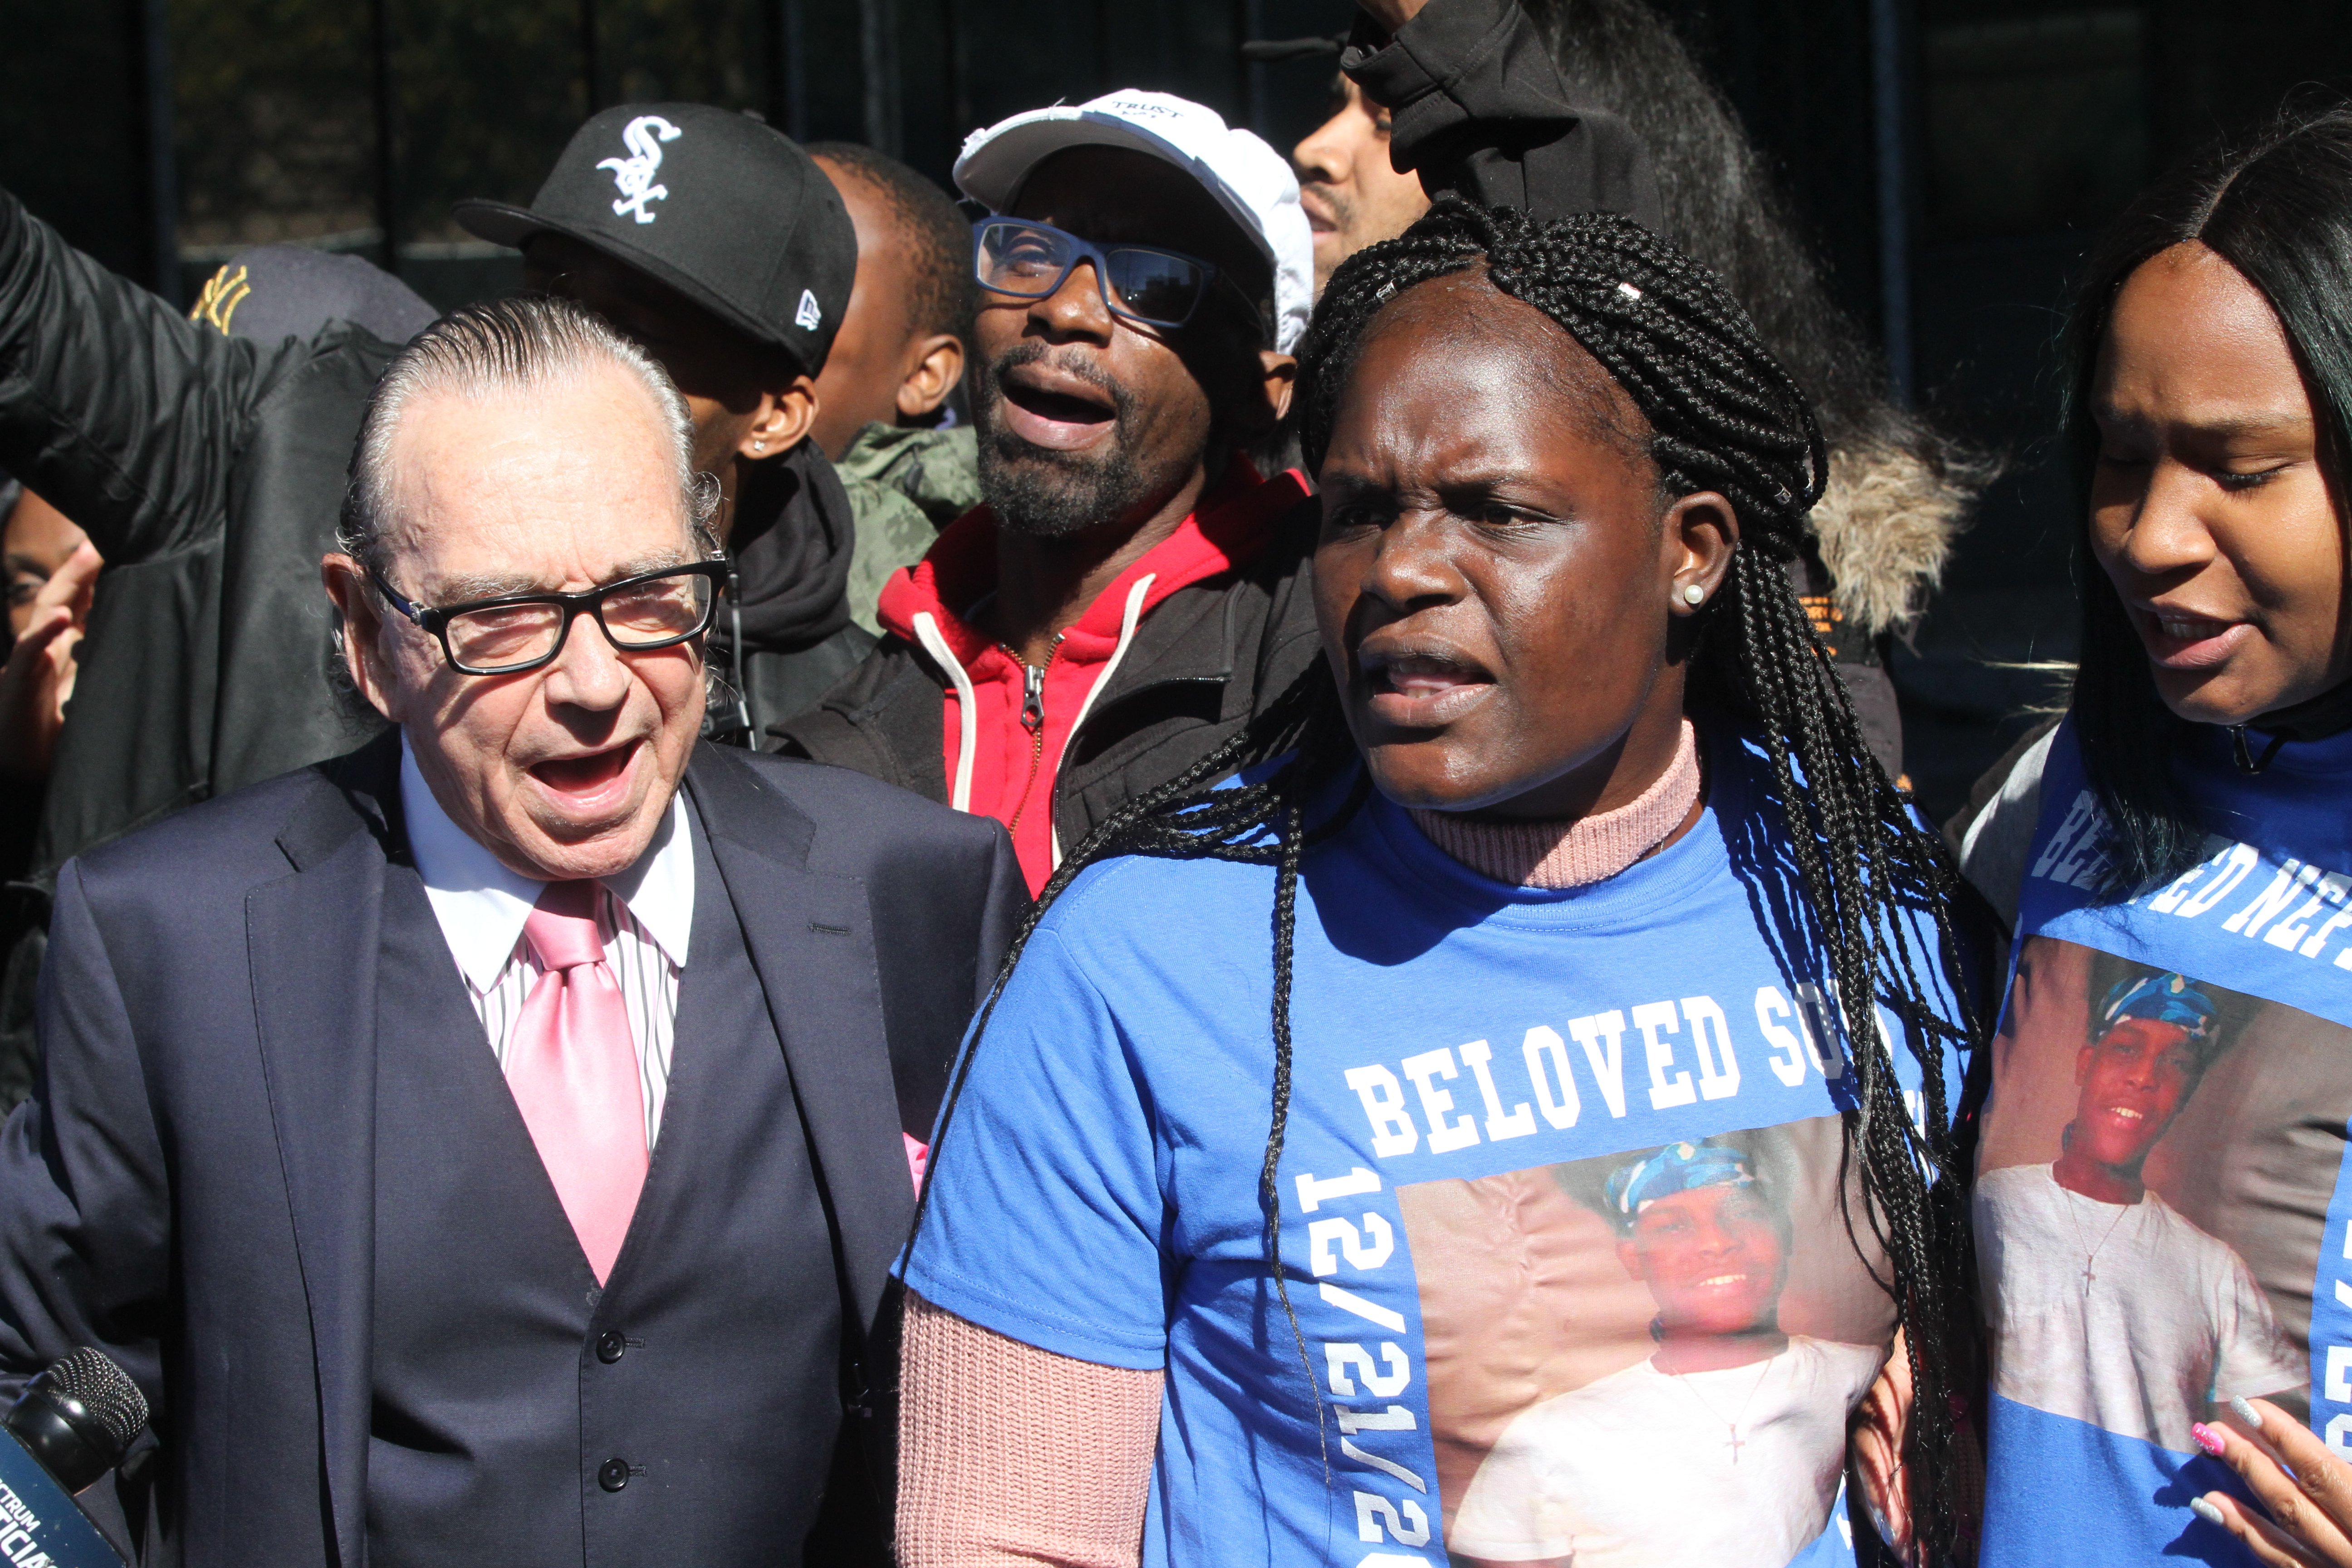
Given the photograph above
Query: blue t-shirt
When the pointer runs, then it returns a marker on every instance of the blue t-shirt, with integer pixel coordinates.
(1560, 1200)
(2163, 1209)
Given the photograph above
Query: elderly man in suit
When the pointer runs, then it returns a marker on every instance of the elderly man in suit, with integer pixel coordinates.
(488, 1147)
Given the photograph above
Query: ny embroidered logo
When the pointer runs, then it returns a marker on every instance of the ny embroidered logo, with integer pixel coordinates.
(224, 293)
(808, 316)
(635, 173)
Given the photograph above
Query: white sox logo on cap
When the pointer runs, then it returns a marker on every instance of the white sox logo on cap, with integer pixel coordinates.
(747, 228)
(635, 173)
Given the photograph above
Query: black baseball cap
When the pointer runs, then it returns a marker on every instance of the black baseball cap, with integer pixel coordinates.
(276, 291)
(726, 210)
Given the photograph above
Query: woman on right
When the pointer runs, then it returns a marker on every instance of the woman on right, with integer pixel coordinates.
(2164, 1208)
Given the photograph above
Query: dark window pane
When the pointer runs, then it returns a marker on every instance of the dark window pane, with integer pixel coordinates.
(486, 96)
(695, 51)
(2034, 123)
(71, 125)
(275, 130)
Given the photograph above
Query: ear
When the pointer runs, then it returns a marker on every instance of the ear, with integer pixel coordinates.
(1262, 400)
(1696, 538)
(361, 632)
(1278, 373)
(936, 365)
(1630, 1256)
(2083, 1063)
(781, 419)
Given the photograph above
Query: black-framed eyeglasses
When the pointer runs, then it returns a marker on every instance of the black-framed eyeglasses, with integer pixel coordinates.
(515, 632)
(1141, 282)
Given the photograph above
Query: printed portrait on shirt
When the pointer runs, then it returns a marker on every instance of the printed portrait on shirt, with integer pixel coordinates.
(2147, 1231)
(1647, 1360)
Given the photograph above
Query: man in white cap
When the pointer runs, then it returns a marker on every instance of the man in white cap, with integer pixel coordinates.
(1127, 597)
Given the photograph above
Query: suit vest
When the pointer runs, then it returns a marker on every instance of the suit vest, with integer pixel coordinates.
(686, 1412)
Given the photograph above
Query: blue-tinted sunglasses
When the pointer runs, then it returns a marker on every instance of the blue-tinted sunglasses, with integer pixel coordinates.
(1140, 282)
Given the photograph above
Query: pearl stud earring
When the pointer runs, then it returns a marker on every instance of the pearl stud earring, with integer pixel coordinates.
(1693, 594)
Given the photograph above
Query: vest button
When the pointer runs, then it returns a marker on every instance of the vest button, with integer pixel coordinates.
(611, 1346)
(612, 1475)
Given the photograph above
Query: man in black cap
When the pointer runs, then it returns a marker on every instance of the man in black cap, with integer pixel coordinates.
(719, 246)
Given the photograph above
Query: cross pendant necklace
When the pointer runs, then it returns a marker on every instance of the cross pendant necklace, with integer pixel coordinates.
(2090, 1253)
(1732, 1439)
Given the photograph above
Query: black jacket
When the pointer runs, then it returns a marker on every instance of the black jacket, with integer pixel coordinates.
(208, 472)
(794, 536)
(1207, 659)
(192, 1188)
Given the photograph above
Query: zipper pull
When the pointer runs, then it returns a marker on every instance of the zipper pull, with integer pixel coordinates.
(1032, 701)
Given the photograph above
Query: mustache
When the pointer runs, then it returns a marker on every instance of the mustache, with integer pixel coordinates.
(1342, 210)
(1076, 366)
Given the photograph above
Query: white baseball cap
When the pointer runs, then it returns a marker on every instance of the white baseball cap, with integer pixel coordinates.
(1250, 180)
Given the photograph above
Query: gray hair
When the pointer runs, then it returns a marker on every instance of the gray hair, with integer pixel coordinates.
(517, 345)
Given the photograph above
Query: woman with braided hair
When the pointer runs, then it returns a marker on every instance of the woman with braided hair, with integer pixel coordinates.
(1571, 853)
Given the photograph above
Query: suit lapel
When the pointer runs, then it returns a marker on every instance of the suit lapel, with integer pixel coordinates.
(810, 940)
(313, 940)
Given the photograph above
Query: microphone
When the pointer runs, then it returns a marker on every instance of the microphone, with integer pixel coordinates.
(72, 1425)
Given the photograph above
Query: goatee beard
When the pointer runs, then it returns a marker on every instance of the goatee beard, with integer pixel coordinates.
(1037, 490)
(1044, 492)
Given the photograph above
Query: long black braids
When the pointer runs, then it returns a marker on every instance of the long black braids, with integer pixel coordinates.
(1724, 417)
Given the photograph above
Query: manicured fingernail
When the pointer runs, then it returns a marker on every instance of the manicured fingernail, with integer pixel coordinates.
(2206, 1511)
(2207, 1438)
(2246, 1412)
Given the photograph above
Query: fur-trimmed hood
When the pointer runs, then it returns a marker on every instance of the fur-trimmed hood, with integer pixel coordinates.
(1886, 524)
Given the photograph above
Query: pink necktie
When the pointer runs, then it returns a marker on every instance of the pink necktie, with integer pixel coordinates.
(572, 1067)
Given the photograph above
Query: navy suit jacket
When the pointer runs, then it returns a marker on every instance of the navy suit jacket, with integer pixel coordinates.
(191, 1188)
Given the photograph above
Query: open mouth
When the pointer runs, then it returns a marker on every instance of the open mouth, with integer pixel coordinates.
(589, 783)
(1320, 216)
(2179, 641)
(1422, 689)
(1062, 413)
(1723, 1282)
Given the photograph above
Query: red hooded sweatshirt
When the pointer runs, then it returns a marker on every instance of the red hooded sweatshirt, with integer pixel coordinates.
(1005, 765)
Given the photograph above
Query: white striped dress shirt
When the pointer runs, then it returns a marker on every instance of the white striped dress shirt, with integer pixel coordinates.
(645, 915)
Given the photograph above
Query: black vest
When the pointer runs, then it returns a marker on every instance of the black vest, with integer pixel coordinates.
(684, 1414)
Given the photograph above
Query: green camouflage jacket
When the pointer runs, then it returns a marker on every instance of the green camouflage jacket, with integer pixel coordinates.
(904, 485)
